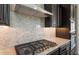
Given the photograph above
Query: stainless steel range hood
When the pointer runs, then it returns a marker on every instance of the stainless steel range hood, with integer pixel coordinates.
(30, 10)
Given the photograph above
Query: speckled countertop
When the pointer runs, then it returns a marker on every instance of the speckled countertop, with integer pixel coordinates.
(59, 41)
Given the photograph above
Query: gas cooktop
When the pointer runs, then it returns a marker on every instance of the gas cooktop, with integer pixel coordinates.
(33, 48)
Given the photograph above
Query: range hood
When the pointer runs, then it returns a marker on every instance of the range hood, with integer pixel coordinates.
(30, 10)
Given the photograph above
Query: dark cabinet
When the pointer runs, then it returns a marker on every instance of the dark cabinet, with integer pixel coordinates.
(60, 17)
(63, 50)
(63, 15)
(4, 14)
(50, 21)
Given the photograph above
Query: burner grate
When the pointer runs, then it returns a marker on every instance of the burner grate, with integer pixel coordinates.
(34, 47)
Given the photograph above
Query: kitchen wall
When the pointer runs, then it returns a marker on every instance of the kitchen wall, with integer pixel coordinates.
(24, 29)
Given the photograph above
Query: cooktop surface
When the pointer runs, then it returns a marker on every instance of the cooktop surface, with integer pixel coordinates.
(33, 48)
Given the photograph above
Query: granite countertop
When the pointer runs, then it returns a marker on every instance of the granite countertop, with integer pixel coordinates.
(57, 40)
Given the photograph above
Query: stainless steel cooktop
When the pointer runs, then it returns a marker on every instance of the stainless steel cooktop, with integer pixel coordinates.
(33, 48)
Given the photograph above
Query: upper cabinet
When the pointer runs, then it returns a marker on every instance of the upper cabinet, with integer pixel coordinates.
(30, 10)
(4, 14)
(51, 20)
(61, 15)
(64, 14)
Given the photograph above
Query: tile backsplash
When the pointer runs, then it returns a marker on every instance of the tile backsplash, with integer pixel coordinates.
(9, 37)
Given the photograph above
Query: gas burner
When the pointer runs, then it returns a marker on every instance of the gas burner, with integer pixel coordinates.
(24, 49)
(34, 47)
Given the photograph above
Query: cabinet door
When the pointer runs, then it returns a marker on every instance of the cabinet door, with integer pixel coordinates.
(59, 16)
(64, 50)
(7, 14)
(4, 14)
(1, 13)
(63, 15)
(50, 21)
